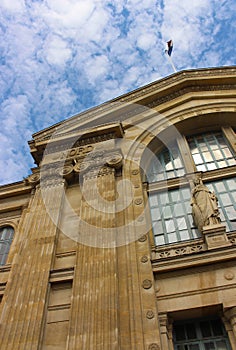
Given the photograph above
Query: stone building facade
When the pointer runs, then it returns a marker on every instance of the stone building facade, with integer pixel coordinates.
(124, 235)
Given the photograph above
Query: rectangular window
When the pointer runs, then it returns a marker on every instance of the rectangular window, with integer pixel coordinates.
(200, 334)
(225, 191)
(210, 151)
(171, 216)
(6, 237)
(166, 165)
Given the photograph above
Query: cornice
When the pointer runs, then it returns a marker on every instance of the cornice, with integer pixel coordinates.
(64, 139)
(166, 89)
(14, 189)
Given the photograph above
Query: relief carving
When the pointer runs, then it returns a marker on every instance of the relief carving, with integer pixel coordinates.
(154, 346)
(32, 179)
(115, 161)
(91, 165)
(204, 205)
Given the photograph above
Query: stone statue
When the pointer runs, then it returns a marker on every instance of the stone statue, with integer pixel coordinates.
(204, 205)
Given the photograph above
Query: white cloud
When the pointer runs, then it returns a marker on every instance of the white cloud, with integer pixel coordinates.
(61, 56)
(146, 41)
(56, 51)
(13, 6)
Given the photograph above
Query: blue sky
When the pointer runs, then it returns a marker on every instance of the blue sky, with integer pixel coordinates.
(60, 57)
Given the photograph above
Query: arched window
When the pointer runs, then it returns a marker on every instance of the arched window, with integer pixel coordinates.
(6, 237)
(170, 203)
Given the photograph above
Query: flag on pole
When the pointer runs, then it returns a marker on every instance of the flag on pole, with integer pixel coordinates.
(169, 47)
(168, 52)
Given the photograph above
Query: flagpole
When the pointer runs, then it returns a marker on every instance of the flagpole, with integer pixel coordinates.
(171, 62)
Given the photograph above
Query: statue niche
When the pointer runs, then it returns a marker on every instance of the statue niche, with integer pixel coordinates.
(204, 204)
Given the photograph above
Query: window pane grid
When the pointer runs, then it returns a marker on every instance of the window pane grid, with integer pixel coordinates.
(202, 335)
(6, 237)
(225, 191)
(210, 151)
(172, 222)
(166, 165)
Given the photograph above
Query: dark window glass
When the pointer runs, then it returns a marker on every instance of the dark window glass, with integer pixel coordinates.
(6, 237)
(202, 334)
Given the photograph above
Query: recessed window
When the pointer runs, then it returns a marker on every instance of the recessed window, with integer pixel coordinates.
(172, 216)
(166, 165)
(171, 211)
(225, 191)
(210, 151)
(201, 334)
(6, 237)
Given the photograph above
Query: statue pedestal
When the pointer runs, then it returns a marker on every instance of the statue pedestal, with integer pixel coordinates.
(215, 236)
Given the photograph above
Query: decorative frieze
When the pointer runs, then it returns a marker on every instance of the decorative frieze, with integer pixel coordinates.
(186, 249)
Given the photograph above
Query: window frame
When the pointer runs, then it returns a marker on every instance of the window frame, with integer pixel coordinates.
(190, 169)
(200, 340)
(7, 242)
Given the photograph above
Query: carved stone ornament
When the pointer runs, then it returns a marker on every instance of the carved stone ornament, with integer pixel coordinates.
(143, 238)
(81, 167)
(154, 346)
(144, 259)
(150, 314)
(115, 160)
(66, 170)
(147, 284)
(138, 201)
(204, 205)
(229, 275)
(33, 179)
(135, 172)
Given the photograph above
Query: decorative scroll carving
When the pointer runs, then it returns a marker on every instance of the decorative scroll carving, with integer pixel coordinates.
(204, 205)
(93, 165)
(32, 179)
(66, 170)
(115, 161)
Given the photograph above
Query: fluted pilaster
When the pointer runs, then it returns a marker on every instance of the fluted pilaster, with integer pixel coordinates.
(22, 308)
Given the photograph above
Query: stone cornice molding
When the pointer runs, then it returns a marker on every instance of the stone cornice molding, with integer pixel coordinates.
(65, 140)
(195, 79)
(189, 80)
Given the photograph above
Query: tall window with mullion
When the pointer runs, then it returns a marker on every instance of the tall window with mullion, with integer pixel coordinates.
(225, 190)
(211, 151)
(166, 165)
(201, 334)
(171, 216)
(6, 237)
